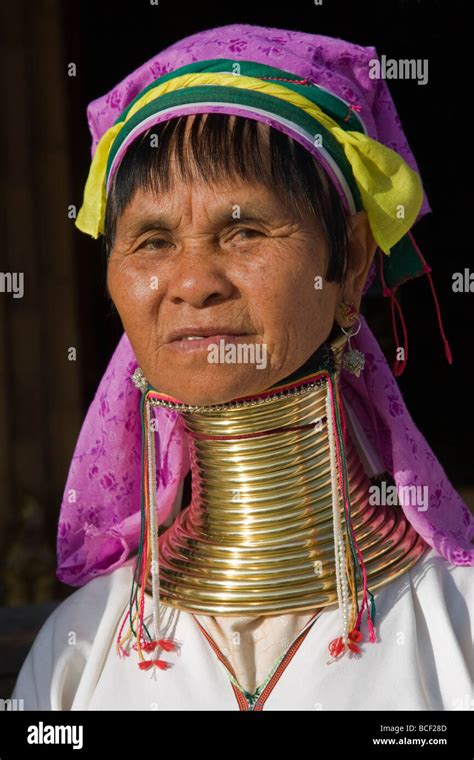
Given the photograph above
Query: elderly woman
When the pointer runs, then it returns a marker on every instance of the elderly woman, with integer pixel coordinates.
(254, 519)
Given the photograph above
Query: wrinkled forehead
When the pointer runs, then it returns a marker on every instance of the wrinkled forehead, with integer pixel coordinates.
(206, 205)
(236, 165)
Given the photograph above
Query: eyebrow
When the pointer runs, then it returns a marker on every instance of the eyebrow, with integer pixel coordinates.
(149, 222)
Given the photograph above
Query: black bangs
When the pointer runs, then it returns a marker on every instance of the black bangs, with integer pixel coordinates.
(218, 148)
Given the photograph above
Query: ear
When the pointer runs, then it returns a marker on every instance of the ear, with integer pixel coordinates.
(360, 254)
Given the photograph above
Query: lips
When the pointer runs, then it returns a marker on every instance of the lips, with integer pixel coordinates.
(184, 345)
(195, 331)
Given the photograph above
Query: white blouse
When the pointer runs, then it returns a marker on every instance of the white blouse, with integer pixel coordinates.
(423, 658)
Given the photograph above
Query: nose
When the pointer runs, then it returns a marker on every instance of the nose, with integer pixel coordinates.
(199, 278)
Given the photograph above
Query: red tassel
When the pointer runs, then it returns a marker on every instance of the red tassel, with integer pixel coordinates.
(147, 664)
(353, 647)
(337, 647)
(149, 646)
(167, 644)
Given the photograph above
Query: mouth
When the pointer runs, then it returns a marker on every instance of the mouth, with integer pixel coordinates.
(193, 343)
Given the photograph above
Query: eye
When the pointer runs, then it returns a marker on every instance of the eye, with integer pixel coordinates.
(247, 232)
(154, 244)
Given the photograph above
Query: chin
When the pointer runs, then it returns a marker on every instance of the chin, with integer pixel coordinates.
(213, 389)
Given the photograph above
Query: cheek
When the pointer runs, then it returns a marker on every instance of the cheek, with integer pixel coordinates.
(285, 294)
(134, 291)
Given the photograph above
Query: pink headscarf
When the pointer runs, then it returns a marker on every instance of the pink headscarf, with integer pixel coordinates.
(99, 523)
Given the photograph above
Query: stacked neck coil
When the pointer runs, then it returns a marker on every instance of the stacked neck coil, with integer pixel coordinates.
(257, 537)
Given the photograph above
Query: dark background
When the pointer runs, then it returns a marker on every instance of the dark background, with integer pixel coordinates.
(45, 158)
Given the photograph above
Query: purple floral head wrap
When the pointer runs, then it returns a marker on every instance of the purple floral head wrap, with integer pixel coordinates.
(99, 523)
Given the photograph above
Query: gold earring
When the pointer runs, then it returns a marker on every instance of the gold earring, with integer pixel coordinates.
(348, 312)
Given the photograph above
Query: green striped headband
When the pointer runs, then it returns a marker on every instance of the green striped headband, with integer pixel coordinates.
(368, 175)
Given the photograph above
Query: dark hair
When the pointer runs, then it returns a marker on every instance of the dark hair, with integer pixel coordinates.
(220, 147)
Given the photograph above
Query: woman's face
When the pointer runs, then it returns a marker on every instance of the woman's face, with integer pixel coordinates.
(227, 261)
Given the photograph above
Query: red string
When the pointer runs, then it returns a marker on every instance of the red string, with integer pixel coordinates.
(352, 107)
(427, 270)
(398, 366)
(293, 81)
